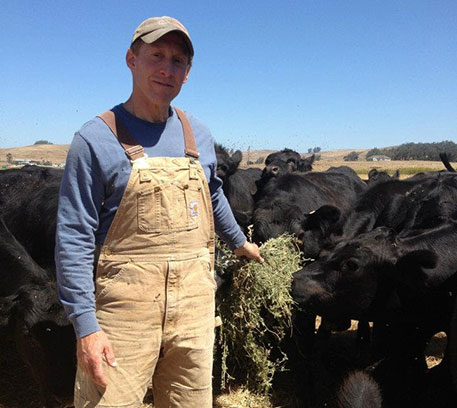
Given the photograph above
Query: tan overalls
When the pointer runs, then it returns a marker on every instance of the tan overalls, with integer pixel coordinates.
(155, 285)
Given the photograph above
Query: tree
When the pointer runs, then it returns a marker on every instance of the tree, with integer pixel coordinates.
(418, 151)
(40, 142)
(310, 150)
(9, 158)
(353, 156)
(317, 149)
(260, 160)
(375, 152)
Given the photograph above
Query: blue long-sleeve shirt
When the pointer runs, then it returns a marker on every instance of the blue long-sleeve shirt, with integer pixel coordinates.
(96, 175)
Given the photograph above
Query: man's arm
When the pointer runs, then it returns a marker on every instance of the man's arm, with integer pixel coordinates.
(80, 200)
(224, 220)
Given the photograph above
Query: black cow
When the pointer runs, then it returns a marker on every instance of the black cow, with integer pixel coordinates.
(384, 204)
(286, 161)
(239, 185)
(16, 184)
(280, 163)
(29, 199)
(405, 283)
(227, 164)
(393, 203)
(286, 199)
(17, 268)
(375, 176)
(32, 315)
(32, 220)
(321, 226)
(432, 203)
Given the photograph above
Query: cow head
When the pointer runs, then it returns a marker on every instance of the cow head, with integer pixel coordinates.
(282, 162)
(317, 227)
(226, 164)
(31, 311)
(276, 220)
(46, 342)
(375, 176)
(347, 282)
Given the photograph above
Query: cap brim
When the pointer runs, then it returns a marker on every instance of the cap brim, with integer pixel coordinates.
(156, 34)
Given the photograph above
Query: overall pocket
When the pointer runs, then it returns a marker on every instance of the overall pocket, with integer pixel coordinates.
(108, 273)
(169, 208)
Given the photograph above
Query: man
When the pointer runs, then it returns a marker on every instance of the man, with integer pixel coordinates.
(135, 194)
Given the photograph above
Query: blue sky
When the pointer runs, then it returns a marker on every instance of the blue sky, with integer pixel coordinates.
(266, 74)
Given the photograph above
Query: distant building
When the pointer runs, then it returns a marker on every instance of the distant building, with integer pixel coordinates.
(379, 157)
(21, 162)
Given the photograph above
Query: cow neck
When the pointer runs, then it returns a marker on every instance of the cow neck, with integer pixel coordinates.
(135, 151)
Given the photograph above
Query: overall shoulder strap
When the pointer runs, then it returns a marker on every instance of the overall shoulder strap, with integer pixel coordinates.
(132, 149)
(189, 139)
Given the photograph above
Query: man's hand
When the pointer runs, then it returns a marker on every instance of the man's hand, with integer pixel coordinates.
(91, 351)
(249, 250)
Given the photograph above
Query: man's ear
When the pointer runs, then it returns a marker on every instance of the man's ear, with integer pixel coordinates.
(187, 75)
(130, 58)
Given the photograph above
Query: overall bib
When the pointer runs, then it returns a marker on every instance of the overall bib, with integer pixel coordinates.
(155, 284)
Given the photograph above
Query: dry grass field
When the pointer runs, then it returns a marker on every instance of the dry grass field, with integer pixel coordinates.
(361, 167)
(54, 153)
(57, 154)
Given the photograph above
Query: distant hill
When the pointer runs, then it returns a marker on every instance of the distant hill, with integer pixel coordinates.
(331, 155)
(57, 154)
(48, 152)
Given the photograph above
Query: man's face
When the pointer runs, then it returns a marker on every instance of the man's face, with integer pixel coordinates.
(159, 69)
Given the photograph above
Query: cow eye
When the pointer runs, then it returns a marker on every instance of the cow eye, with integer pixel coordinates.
(349, 265)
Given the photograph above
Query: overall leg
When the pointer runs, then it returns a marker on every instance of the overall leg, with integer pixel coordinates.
(183, 374)
(130, 307)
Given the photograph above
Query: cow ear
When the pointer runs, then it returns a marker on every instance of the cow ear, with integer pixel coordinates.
(236, 158)
(309, 160)
(411, 267)
(7, 306)
(327, 213)
(322, 218)
(372, 173)
(291, 166)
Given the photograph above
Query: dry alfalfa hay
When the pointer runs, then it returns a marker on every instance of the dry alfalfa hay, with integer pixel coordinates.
(256, 311)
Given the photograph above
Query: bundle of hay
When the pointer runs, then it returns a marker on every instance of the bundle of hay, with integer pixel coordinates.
(256, 311)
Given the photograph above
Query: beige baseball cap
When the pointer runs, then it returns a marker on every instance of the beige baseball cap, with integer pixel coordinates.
(153, 28)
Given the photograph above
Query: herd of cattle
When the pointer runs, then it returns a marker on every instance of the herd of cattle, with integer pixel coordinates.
(381, 250)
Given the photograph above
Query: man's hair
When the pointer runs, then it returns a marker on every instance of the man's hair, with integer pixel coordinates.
(138, 43)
